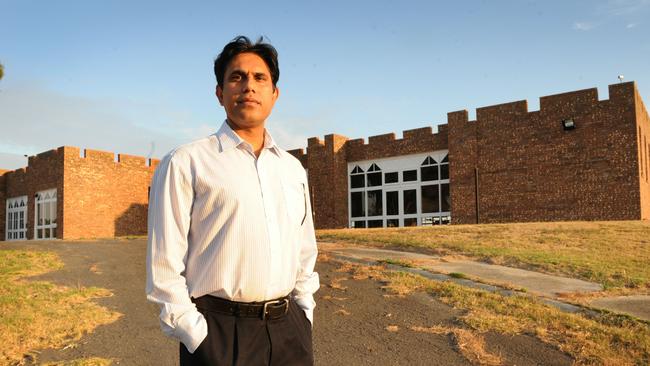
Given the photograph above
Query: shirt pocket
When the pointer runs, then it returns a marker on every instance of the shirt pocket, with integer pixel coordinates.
(296, 201)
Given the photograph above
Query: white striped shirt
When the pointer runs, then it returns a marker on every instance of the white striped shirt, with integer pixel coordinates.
(226, 223)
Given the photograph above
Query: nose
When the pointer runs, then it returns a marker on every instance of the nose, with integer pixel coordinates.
(248, 86)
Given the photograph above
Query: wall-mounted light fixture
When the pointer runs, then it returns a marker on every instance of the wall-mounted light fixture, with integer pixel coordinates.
(568, 124)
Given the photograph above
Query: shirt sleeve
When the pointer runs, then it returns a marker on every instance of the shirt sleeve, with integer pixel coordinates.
(170, 205)
(308, 282)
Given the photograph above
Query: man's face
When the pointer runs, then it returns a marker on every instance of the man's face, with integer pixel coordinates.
(248, 94)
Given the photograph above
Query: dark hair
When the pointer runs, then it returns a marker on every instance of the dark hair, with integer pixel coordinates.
(242, 44)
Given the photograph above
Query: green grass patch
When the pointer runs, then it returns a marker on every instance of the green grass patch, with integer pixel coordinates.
(396, 262)
(39, 314)
(458, 275)
(614, 254)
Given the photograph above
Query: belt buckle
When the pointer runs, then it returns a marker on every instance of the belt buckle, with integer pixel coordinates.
(266, 304)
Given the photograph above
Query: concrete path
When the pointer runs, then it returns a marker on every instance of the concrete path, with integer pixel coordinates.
(638, 305)
(535, 283)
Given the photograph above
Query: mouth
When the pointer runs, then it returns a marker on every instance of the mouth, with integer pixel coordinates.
(248, 101)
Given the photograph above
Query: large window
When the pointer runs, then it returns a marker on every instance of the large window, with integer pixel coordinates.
(402, 191)
(16, 219)
(45, 215)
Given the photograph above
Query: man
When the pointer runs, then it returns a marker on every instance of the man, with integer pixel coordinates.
(231, 247)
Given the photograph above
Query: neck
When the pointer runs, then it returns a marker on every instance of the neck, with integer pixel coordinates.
(252, 135)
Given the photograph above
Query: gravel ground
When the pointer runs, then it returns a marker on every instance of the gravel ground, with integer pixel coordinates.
(360, 324)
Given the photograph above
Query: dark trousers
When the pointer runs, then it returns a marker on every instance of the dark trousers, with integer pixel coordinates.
(243, 341)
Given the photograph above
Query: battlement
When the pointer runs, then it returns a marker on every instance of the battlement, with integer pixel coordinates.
(563, 103)
(384, 144)
(99, 156)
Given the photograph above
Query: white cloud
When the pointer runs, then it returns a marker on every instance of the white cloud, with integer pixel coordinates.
(583, 26)
(631, 25)
(34, 119)
(623, 7)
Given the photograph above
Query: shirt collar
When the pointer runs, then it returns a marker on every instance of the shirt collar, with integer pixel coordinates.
(229, 139)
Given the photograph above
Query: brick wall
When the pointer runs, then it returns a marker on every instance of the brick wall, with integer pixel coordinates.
(104, 197)
(531, 169)
(44, 171)
(327, 174)
(3, 203)
(527, 166)
(643, 154)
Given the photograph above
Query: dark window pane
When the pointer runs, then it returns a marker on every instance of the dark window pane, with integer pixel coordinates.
(358, 224)
(357, 181)
(358, 205)
(446, 197)
(375, 223)
(410, 201)
(444, 171)
(430, 198)
(392, 203)
(446, 159)
(374, 179)
(374, 203)
(392, 223)
(411, 222)
(429, 173)
(409, 175)
(391, 177)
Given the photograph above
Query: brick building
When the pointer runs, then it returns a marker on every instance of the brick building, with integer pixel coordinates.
(577, 158)
(69, 194)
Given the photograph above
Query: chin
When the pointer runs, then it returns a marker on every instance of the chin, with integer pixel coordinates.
(247, 122)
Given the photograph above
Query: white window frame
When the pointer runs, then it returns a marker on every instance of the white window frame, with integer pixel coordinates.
(400, 164)
(13, 229)
(45, 203)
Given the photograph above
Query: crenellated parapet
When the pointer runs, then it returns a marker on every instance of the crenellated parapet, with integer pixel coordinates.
(300, 155)
(105, 157)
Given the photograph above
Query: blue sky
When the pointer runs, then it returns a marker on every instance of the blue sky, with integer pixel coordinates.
(136, 76)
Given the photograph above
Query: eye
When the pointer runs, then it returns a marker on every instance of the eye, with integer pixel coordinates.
(234, 77)
(260, 77)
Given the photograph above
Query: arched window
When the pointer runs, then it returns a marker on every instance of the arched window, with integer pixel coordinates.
(357, 178)
(444, 168)
(429, 170)
(374, 176)
(15, 218)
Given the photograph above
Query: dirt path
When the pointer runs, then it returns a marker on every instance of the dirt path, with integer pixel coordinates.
(356, 323)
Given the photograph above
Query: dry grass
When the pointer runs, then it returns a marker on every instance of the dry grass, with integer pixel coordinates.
(470, 344)
(607, 340)
(93, 361)
(38, 314)
(579, 249)
(342, 312)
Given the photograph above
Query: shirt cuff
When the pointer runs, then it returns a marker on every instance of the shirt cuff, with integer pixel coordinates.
(307, 304)
(191, 329)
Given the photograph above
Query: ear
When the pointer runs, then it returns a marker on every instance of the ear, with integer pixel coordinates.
(276, 93)
(219, 93)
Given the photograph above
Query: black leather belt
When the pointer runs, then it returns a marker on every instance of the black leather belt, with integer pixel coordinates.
(271, 309)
